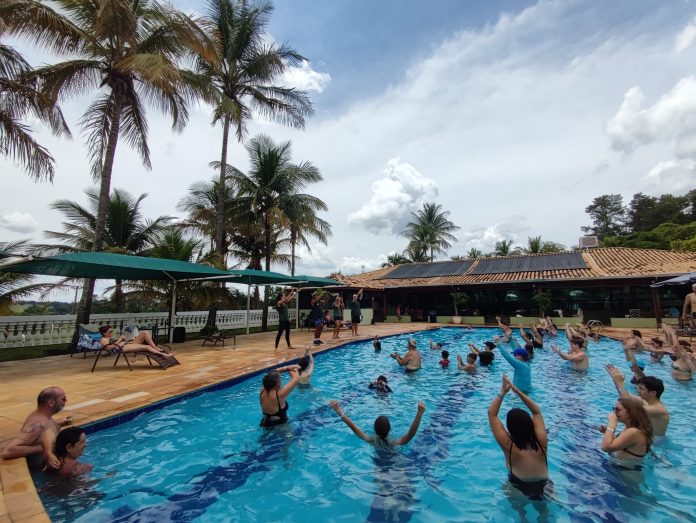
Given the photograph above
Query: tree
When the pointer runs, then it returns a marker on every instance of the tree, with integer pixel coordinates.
(644, 212)
(535, 245)
(271, 183)
(19, 97)
(126, 54)
(608, 216)
(302, 222)
(395, 259)
(474, 253)
(239, 80)
(430, 230)
(503, 248)
(126, 231)
(14, 286)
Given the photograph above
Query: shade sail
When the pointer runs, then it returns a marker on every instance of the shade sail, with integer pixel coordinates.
(312, 281)
(684, 279)
(103, 265)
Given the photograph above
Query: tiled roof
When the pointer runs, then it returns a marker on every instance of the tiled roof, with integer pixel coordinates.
(603, 262)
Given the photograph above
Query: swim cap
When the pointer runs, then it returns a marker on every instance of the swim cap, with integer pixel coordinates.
(521, 352)
(413, 343)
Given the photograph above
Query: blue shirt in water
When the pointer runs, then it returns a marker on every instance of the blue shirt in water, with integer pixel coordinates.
(523, 372)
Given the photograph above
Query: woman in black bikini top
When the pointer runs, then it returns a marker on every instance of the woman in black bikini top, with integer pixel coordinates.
(273, 397)
(634, 442)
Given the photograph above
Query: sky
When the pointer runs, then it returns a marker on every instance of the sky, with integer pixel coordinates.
(512, 115)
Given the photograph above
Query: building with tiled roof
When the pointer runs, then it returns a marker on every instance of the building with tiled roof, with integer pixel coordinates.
(604, 282)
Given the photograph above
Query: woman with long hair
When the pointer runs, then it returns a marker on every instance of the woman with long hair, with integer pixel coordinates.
(523, 442)
(143, 342)
(338, 307)
(273, 397)
(635, 440)
(282, 301)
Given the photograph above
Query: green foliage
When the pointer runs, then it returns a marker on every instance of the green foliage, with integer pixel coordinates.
(429, 232)
(608, 216)
(661, 237)
(474, 253)
(459, 298)
(543, 301)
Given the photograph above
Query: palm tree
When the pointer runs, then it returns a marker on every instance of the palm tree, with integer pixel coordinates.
(503, 248)
(474, 253)
(126, 232)
(431, 230)
(126, 54)
(19, 97)
(240, 79)
(270, 185)
(416, 252)
(15, 285)
(395, 259)
(536, 245)
(302, 222)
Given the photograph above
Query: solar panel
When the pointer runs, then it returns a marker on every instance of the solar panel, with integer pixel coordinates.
(429, 270)
(549, 262)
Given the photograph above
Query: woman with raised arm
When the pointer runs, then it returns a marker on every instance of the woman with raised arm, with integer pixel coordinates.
(273, 397)
(306, 367)
(635, 440)
(282, 301)
(524, 443)
(338, 307)
(382, 427)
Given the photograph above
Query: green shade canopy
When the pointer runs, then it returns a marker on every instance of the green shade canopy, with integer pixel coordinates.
(312, 281)
(108, 266)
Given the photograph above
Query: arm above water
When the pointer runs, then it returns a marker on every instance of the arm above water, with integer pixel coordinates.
(414, 426)
(352, 426)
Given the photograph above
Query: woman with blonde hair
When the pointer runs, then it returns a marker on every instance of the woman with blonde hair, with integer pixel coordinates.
(635, 440)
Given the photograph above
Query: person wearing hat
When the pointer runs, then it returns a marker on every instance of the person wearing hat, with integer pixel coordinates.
(519, 359)
(411, 361)
(380, 384)
(355, 312)
(485, 357)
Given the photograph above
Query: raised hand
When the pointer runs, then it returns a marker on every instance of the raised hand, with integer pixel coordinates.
(421, 406)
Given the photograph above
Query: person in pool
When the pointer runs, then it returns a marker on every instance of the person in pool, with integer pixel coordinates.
(435, 346)
(470, 362)
(524, 443)
(577, 356)
(634, 442)
(382, 427)
(70, 445)
(306, 364)
(534, 338)
(273, 397)
(444, 362)
(650, 389)
(380, 385)
(486, 356)
(519, 360)
(411, 361)
(142, 342)
(376, 343)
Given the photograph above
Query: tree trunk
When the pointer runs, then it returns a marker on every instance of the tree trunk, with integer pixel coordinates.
(293, 240)
(85, 307)
(119, 298)
(267, 241)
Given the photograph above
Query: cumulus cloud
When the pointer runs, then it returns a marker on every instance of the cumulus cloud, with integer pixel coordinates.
(356, 264)
(306, 78)
(672, 118)
(686, 37)
(484, 238)
(673, 176)
(402, 190)
(17, 221)
(322, 261)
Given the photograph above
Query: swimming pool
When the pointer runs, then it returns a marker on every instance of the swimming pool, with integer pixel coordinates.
(206, 459)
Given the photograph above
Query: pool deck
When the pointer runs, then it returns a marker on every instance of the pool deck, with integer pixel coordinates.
(114, 390)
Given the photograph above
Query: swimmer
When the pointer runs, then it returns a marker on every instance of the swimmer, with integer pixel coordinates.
(634, 442)
(519, 360)
(380, 385)
(486, 356)
(444, 362)
(577, 356)
(470, 362)
(524, 443)
(70, 445)
(306, 364)
(435, 346)
(376, 343)
(382, 428)
(273, 397)
(411, 361)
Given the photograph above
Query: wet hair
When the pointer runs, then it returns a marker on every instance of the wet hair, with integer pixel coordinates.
(46, 395)
(490, 345)
(529, 347)
(382, 427)
(471, 356)
(104, 329)
(528, 336)
(657, 341)
(653, 384)
(638, 417)
(69, 435)
(577, 340)
(445, 354)
(521, 429)
(636, 333)
(381, 377)
(303, 362)
(271, 380)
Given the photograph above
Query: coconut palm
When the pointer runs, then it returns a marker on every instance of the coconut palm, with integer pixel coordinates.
(14, 286)
(431, 230)
(302, 223)
(535, 245)
(19, 97)
(474, 253)
(503, 248)
(395, 259)
(240, 79)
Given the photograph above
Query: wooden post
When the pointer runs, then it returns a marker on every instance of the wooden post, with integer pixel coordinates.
(656, 306)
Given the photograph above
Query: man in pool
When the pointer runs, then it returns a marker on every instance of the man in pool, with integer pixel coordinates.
(470, 362)
(577, 356)
(519, 360)
(650, 389)
(380, 384)
(485, 357)
(376, 343)
(382, 427)
(38, 435)
(690, 305)
(411, 361)
(435, 346)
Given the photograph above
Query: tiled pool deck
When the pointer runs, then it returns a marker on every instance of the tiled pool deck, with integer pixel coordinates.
(111, 391)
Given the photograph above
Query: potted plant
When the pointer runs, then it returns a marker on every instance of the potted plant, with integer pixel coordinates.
(459, 299)
(542, 299)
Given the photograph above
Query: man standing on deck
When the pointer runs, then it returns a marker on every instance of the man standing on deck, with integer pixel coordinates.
(39, 432)
(690, 304)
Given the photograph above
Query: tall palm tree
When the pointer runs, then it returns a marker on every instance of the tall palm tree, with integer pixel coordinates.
(503, 248)
(535, 245)
(126, 56)
(431, 230)
(240, 79)
(302, 223)
(474, 253)
(395, 259)
(126, 232)
(15, 285)
(20, 98)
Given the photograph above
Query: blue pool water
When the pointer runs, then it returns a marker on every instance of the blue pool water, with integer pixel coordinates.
(205, 458)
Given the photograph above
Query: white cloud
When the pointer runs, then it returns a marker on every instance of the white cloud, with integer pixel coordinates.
(686, 37)
(402, 190)
(306, 78)
(16, 221)
(672, 176)
(484, 238)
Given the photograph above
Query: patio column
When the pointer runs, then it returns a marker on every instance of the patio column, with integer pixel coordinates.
(656, 306)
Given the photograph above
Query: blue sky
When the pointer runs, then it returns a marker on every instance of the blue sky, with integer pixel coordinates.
(511, 115)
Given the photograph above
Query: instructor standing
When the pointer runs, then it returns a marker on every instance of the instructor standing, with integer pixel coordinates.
(355, 312)
(283, 316)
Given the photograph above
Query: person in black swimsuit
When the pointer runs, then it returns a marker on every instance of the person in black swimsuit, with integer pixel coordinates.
(524, 442)
(273, 397)
(634, 442)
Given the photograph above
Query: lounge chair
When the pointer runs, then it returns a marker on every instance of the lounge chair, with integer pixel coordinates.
(114, 350)
(217, 336)
(88, 339)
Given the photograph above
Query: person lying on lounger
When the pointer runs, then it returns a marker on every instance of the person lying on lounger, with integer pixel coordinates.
(141, 343)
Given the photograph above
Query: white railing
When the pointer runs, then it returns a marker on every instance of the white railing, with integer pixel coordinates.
(28, 331)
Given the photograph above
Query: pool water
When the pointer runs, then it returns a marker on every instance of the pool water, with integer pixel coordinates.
(205, 458)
